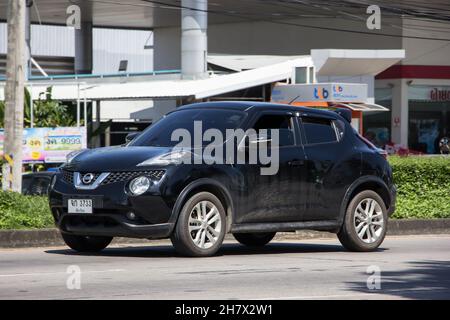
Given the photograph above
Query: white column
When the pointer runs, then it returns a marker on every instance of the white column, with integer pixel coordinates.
(400, 112)
(194, 42)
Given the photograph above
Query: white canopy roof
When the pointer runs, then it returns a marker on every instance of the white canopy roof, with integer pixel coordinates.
(174, 88)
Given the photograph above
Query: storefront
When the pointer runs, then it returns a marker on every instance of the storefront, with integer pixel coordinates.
(428, 110)
(429, 117)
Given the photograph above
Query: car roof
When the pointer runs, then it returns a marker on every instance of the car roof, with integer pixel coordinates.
(252, 105)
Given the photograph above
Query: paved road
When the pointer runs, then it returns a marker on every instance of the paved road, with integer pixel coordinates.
(411, 267)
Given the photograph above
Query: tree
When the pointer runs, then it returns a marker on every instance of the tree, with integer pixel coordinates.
(47, 112)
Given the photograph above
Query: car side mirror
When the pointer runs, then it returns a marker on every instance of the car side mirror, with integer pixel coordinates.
(131, 136)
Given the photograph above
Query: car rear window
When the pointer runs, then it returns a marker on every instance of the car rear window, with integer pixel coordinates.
(319, 130)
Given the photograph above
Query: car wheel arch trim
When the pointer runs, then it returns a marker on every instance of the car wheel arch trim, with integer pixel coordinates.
(204, 182)
(358, 182)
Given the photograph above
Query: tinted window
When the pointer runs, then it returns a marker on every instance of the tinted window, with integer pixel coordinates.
(281, 122)
(160, 133)
(319, 130)
(340, 128)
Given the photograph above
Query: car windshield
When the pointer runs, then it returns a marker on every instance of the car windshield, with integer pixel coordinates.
(160, 133)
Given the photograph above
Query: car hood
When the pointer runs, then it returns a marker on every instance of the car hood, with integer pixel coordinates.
(108, 159)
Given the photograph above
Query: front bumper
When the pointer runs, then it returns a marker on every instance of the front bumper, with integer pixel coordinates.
(111, 205)
(113, 226)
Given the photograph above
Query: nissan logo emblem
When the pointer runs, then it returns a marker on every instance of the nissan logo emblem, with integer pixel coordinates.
(87, 178)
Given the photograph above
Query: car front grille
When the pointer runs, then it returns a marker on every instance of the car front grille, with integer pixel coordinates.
(67, 176)
(114, 177)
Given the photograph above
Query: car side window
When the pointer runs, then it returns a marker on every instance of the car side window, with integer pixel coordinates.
(283, 123)
(319, 130)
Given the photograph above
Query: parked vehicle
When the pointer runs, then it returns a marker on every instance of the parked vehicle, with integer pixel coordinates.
(36, 183)
(329, 179)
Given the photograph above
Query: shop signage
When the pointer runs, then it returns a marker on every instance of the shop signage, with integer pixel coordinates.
(323, 92)
(437, 94)
(429, 93)
(49, 145)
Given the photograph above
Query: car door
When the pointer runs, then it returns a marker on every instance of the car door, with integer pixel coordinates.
(330, 165)
(277, 197)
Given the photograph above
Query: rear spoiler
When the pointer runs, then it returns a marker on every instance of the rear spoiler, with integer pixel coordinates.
(344, 113)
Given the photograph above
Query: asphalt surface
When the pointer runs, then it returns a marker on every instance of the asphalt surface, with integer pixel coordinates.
(411, 267)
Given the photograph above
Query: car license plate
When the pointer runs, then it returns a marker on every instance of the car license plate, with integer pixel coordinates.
(79, 206)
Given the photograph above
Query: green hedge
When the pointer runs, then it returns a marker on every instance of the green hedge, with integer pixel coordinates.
(24, 212)
(423, 185)
(423, 192)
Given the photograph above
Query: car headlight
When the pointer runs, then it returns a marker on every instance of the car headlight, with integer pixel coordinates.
(139, 185)
(73, 154)
(174, 157)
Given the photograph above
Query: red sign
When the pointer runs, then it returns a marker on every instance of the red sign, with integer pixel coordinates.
(440, 95)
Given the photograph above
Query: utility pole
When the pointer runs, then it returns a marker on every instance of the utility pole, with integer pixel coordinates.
(14, 96)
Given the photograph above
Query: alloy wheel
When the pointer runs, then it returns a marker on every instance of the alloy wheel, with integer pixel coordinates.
(205, 224)
(368, 220)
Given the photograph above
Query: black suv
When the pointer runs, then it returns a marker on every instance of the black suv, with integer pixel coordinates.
(328, 178)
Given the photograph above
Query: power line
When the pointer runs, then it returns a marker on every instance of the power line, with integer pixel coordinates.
(295, 24)
(355, 17)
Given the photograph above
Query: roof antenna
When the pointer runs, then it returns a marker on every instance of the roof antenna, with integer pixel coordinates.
(294, 99)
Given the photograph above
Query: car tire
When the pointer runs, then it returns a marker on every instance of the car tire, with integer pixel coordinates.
(365, 222)
(201, 226)
(257, 239)
(86, 243)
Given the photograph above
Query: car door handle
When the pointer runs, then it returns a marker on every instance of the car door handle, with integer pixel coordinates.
(296, 163)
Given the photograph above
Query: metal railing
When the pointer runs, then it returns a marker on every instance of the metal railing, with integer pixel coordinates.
(100, 75)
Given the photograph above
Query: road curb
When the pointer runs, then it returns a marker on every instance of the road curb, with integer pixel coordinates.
(51, 237)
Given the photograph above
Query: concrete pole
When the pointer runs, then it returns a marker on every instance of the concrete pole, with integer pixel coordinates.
(14, 96)
(400, 112)
(194, 41)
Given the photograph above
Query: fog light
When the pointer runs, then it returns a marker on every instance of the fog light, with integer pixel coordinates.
(131, 215)
(139, 185)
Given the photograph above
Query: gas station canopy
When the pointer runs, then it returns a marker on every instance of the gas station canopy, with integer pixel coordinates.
(341, 62)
